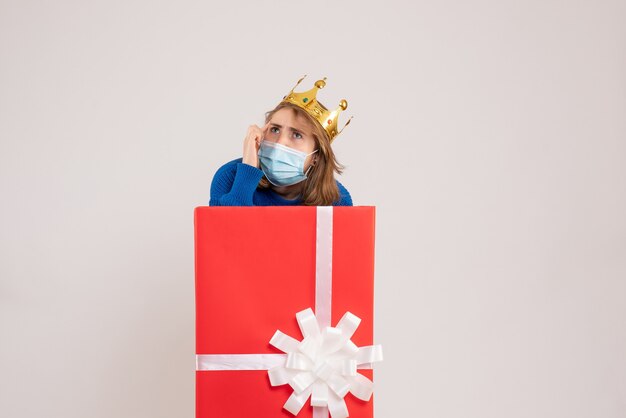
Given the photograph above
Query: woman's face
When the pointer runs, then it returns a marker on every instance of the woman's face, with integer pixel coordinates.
(292, 130)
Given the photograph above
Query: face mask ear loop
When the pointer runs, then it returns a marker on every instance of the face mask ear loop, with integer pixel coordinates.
(311, 166)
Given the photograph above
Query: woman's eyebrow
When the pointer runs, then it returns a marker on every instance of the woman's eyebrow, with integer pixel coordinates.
(280, 126)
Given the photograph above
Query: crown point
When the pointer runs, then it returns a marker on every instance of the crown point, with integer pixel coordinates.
(343, 104)
(320, 83)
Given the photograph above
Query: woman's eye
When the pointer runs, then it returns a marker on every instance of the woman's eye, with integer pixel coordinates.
(298, 135)
(274, 131)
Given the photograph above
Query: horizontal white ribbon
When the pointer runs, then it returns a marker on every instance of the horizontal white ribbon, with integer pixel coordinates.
(239, 361)
(218, 362)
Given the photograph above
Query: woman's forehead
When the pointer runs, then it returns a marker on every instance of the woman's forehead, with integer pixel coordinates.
(287, 118)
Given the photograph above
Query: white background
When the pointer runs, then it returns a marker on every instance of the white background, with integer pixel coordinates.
(491, 136)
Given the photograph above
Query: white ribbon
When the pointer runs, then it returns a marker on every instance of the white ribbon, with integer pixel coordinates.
(324, 364)
(239, 361)
(324, 264)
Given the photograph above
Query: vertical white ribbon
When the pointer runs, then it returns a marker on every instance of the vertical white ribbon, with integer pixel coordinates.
(324, 265)
(323, 277)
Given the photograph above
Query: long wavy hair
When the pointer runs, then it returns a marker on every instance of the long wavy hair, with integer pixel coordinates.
(320, 187)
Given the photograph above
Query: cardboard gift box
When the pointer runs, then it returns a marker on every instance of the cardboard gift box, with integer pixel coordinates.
(258, 269)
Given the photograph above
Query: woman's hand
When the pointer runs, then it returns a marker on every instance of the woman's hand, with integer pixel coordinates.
(252, 143)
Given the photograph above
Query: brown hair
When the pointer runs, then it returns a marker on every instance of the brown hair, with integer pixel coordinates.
(320, 187)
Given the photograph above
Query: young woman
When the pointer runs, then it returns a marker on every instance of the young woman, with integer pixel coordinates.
(289, 161)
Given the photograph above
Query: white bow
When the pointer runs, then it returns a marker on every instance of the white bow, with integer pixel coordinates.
(324, 364)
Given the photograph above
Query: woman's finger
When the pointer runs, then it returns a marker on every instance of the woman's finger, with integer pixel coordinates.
(264, 130)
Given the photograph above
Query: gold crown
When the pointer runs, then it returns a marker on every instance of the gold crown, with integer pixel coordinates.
(307, 100)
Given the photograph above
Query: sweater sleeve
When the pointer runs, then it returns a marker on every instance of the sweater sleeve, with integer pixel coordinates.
(344, 196)
(234, 184)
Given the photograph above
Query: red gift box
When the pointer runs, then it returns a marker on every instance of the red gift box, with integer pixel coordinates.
(256, 267)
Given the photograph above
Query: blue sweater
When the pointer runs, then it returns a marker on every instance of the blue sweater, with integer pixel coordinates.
(235, 184)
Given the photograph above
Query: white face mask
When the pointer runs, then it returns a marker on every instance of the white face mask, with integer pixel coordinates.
(283, 166)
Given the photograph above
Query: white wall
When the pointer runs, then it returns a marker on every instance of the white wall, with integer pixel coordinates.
(491, 135)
